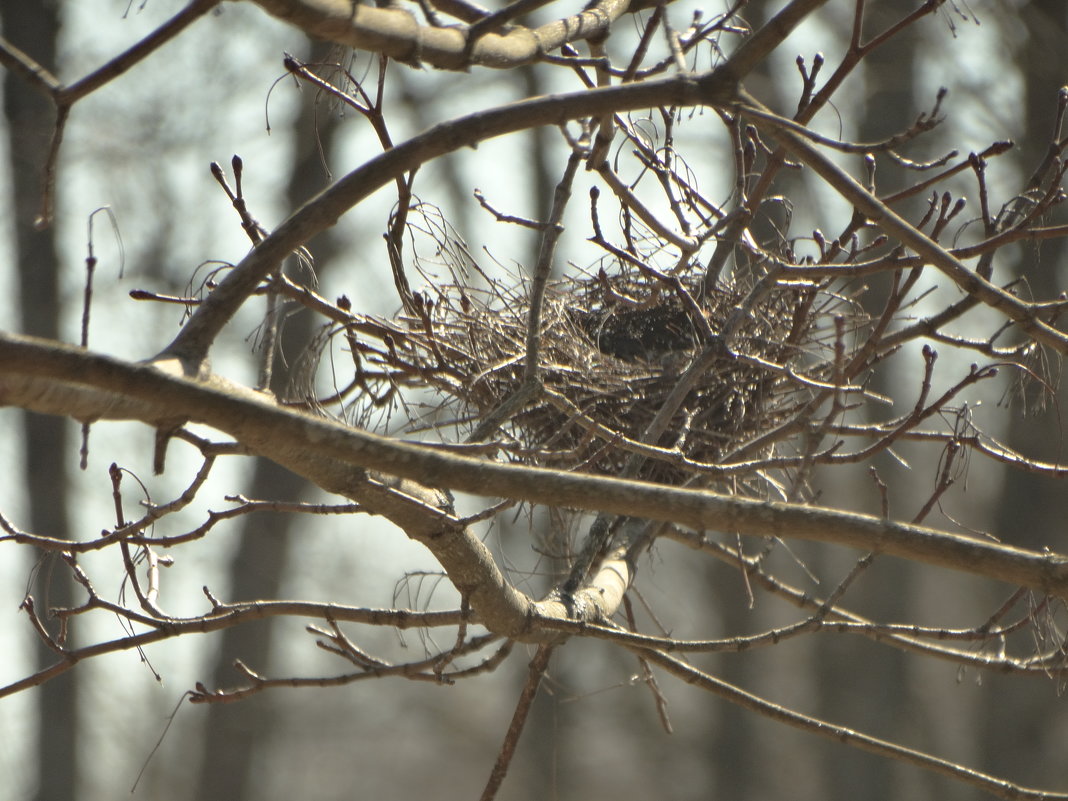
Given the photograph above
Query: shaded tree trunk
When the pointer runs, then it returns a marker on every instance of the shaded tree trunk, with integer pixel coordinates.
(1033, 509)
(34, 28)
(854, 688)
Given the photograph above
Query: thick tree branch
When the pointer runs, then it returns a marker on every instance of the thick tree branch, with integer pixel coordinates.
(192, 343)
(34, 375)
(395, 32)
(713, 88)
(421, 512)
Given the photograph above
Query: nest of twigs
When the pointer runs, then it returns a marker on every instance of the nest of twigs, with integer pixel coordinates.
(612, 352)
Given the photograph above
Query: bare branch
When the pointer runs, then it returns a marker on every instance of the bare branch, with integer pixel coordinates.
(35, 374)
(538, 665)
(1024, 314)
(396, 33)
(736, 695)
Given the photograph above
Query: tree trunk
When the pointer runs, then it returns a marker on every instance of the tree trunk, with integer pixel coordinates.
(34, 27)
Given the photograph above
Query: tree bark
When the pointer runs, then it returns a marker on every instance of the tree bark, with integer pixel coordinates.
(34, 28)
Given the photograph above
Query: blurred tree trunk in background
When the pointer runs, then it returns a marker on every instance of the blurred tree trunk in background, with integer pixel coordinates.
(235, 733)
(1031, 510)
(855, 689)
(1042, 66)
(34, 27)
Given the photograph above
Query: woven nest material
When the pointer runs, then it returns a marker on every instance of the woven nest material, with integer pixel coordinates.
(612, 351)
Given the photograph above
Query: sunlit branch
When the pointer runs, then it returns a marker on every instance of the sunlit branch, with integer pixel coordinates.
(34, 373)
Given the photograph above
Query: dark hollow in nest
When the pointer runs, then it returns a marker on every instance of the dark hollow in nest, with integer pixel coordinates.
(612, 350)
(640, 334)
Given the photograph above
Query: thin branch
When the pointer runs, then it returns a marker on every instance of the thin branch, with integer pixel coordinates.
(28, 69)
(884, 217)
(223, 616)
(536, 671)
(736, 695)
(137, 53)
(420, 670)
(529, 385)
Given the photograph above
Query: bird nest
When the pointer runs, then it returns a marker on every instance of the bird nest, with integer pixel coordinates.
(636, 375)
